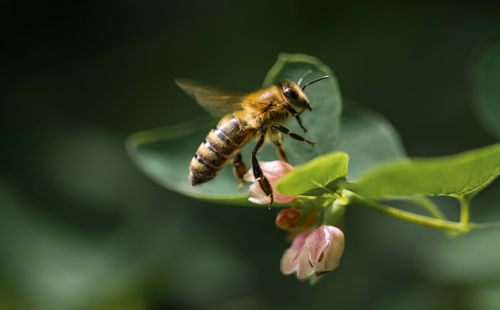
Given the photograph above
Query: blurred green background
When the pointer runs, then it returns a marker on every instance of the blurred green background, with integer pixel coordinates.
(82, 228)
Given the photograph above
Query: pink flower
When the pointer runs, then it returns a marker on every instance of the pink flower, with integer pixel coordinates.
(273, 170)
(314, 253)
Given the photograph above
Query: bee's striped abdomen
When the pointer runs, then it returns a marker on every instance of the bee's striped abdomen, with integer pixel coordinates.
(220, 145)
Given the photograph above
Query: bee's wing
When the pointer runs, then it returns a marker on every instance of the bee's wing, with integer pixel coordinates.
(217, 102)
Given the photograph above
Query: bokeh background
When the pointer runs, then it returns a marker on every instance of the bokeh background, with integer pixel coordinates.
(82, 228)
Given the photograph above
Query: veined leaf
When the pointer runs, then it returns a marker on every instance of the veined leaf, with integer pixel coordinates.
(455, 175)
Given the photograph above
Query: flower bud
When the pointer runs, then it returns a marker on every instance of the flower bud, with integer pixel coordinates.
(273, 171)
(314, 253)
(288, 218)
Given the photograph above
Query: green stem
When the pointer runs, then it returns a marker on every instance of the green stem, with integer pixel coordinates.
(464, 212)
(404, 215)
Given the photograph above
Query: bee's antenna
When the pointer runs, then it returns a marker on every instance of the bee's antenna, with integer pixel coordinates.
(303, 77)
(314, 81)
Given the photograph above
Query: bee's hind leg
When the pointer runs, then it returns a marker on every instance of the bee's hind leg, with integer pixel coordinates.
(259, 176)
(239, 169)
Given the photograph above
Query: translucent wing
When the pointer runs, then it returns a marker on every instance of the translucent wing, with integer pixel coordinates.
(216, 101)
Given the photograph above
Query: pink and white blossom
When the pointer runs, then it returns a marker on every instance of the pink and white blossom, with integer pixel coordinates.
(273, 170)
(314, 253)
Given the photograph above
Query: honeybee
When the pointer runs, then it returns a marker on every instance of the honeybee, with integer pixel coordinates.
(261, 115)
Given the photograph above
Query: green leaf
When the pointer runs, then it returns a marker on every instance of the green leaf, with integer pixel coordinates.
(368, 138)
(323, 122)
(164, 154)
(486, 91)
(316, 173)
(456, 175)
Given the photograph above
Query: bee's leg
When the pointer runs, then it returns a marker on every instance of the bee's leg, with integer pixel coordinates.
(279, 149)
(287, 131)
(296, 115)
(239, 169)
(257, 172)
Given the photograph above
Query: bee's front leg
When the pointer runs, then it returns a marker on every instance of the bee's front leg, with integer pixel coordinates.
(257, 172)
(292, 111)
(287, 131)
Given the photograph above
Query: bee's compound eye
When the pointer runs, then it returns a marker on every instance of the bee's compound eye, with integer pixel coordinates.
(290, 93)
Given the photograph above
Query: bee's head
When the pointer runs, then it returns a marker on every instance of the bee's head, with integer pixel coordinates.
(295, 93)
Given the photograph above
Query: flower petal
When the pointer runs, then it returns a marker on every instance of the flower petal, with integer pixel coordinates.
(257, 195)
(273, 171)
(291, 255)
(276, 169)
(325, 246)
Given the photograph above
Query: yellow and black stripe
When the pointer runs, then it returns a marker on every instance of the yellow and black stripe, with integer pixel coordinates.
(220, 145)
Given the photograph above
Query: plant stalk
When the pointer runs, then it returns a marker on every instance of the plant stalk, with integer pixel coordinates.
(405, 215)
(464, 212)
